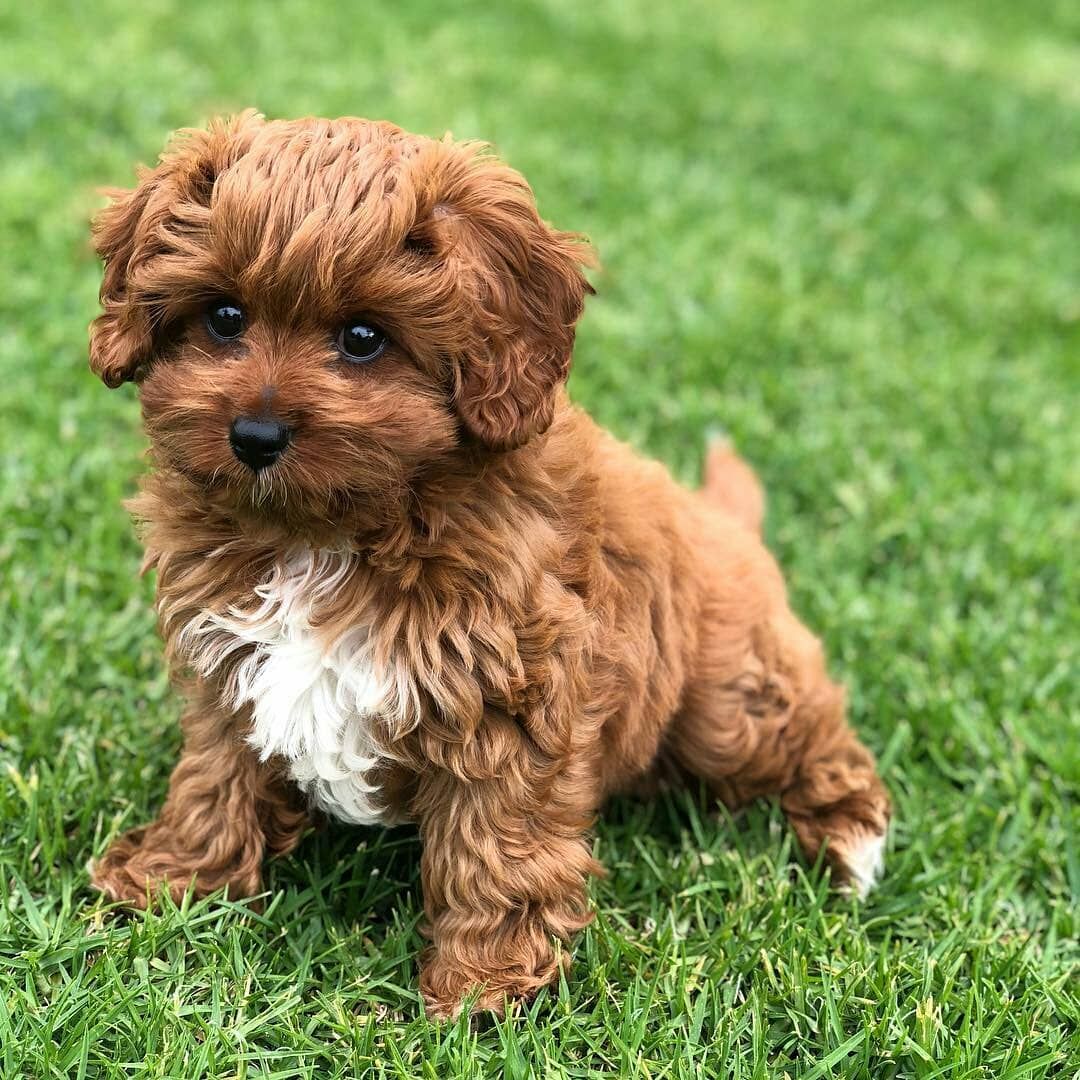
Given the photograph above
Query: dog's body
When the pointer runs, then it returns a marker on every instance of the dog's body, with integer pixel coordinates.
(453, 601)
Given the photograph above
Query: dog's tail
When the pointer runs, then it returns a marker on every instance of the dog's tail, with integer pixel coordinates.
(731, 485)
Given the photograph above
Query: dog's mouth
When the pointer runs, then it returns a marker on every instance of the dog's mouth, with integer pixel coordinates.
(268, 488)
(223, 479)
(283, 495)
(284, 467)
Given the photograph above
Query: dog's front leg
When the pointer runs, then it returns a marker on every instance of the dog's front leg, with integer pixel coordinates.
(224, 813)
(504, 869)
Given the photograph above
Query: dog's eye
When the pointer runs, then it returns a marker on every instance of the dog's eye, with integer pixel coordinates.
(225, 320)
(360, 342)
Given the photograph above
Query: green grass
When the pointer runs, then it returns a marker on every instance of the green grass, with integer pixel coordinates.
(852, 239)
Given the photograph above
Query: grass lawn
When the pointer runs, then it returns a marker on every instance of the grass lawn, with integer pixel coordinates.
(851, 239)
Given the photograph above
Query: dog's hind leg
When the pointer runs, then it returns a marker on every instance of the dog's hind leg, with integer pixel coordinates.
(224, 813)
(762, 717)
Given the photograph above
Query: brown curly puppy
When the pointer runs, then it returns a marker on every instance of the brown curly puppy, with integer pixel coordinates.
(401, 577)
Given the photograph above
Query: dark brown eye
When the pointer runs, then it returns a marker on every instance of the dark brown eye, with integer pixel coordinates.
(225, 320)
(360, 342)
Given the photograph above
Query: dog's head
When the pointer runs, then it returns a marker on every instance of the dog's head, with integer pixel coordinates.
(316, 310)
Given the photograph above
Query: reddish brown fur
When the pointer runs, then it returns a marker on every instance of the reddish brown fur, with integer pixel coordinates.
(568, 615)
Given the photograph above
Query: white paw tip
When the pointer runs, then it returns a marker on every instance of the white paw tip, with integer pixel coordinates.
(865, 860)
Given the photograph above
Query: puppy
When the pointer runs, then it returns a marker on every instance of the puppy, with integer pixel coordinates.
(400, 578)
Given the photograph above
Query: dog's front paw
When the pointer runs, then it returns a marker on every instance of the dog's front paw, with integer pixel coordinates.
(122, 874)
(487, 972)
(146, 863)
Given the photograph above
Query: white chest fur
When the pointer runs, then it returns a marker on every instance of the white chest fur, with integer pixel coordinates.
(314, 702)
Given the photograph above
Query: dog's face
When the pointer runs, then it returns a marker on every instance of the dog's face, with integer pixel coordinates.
(317, 311)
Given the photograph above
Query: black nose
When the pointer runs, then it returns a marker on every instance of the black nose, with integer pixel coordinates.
(258, 442)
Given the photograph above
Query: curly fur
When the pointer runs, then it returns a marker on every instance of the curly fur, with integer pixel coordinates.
(453, 600)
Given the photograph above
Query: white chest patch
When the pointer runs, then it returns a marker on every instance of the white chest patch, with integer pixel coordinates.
(314, 702)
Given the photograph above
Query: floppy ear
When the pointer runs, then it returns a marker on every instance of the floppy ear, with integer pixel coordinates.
(134, 228)
(525, 283)
(120, 337)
